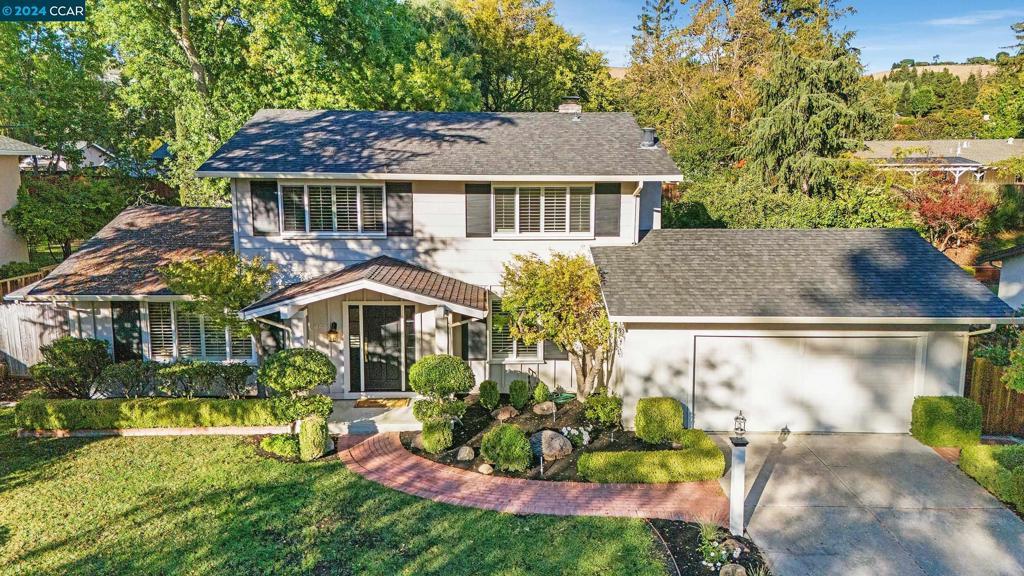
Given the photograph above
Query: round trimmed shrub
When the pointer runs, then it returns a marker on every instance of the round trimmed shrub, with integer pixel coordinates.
(946, 421)
(659, 420)
(437, 436)
(519, 393)
(540, 393)
(297, 370)
(489, 395)
(441, 376)
(507, 447)
(71, 366)
(426, 409)
(312, 438)
(604, 409)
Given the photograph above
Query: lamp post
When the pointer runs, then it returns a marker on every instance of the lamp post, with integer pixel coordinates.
(737, 474)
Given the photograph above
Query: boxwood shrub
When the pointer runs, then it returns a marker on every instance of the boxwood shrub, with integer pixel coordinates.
(284, 445)
(437, 436)
(659, 420)
(999, 469)
(946, 421)
(489, 395)
(312, 438)
(518, 393)
(507, 447)
(37, 413)
(604, 409)
(653, 467)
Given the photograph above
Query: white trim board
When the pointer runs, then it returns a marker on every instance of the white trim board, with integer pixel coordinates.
(442, 177)
(810, 320)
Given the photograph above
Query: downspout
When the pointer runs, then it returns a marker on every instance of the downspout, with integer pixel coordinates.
(636, 212)
(991, 328)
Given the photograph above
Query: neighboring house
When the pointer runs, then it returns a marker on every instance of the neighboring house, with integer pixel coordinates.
(12, 247)
(93, 156)
(1011, 273)
(391, 230)
(955, 157)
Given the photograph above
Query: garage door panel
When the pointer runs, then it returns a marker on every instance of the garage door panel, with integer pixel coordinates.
(849, 384)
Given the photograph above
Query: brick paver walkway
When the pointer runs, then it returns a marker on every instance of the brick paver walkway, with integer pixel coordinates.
(384, 460)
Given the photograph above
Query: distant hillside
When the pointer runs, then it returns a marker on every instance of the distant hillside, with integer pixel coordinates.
(961, 71)
(618, 72)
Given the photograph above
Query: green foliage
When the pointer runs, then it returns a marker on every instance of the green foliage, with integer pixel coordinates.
(441, 376)
(234, 378)
(187, 378)
(519, 393)
(62, 210)
(558, 300)
(710, 550)
(220, 285)
(290, 408)
(654, 466)
(946, 421)
(997, 354)
(437, 435)
(312, 438)
(659, 420)
(540, 392)
(37, 413)
(1013, 375)
(507, 447)
(71, 366)
(604, 409)
(999, 469)
(297, 370)
(130, 379)
(284, 445)
(489, 395)
(427, 409)
(13, 269)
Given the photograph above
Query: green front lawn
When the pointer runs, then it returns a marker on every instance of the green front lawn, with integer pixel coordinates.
(210, 505)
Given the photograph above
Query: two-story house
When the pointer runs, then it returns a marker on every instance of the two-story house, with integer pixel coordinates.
(391, 230)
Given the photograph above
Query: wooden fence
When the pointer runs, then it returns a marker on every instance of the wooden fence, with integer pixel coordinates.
(24, 328)
(8, 285)
(1002, 408)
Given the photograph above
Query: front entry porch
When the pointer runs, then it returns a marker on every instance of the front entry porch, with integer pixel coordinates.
(348, 419)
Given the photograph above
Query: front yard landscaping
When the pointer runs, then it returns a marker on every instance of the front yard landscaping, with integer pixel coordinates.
(212, 505)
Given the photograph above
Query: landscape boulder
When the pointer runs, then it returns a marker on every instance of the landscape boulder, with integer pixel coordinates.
(550, 445)
(465, 454)
(485, 469)
(544, 408)
(505, 413)
(733, 570)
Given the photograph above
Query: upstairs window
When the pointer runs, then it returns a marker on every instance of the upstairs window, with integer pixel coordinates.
(330, 209)
(543, 210)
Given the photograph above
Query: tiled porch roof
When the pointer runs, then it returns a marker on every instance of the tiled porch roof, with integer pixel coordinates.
(382, 272)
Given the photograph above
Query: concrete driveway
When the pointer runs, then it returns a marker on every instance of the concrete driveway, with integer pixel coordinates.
(873, 504)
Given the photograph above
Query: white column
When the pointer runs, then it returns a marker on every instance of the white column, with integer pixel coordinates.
(737, 484)
(297, 323)
(441, 335)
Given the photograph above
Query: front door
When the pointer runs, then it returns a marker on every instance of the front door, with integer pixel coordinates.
(127, 331)
(382, 340)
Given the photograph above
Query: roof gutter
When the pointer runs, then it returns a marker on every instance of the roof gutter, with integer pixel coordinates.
(813, 320)
(438, 177)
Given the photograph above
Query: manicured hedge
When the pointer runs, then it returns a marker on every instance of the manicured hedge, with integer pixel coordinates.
(36, 413)
(946, 421)
(659, 420)
(1000, 469)
(312, 438)
(699, 459)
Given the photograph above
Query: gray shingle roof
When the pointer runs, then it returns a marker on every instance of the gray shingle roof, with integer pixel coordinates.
(389, 272)
(439, 143)
(984, 152)
(125, 256)
(1004, 254)
(12, 147)
(834, 273)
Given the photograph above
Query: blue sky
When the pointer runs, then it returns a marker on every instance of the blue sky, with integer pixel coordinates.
(887, 30)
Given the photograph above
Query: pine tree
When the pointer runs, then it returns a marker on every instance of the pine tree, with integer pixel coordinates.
(656, 18)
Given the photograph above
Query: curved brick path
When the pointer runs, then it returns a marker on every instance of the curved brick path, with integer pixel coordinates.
(383, 459)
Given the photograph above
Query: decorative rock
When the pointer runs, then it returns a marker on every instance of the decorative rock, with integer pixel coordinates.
(732, 544)
(329, 447)
(417, 441)
(550, 444)
(465, 454)
(485, 469)
(544, 408)
(733, 570)
(505, 412)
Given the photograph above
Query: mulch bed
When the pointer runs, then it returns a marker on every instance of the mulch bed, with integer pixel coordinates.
(15, 389)
(478, 421)
(682, 538)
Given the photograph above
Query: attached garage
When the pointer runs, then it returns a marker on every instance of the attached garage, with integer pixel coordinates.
(807, 330)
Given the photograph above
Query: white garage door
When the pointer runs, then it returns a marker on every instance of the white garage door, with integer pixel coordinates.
(851, 384)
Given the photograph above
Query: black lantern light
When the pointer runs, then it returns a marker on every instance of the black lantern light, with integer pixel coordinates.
(740, 424)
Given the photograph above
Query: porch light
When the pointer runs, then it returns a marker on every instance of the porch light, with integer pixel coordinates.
(740, 424)
(333, 335)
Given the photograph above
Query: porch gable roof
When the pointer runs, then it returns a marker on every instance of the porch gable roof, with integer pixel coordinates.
(381, 274)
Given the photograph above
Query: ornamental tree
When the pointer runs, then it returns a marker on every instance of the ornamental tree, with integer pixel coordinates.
(440, 377)
(559, 300)
(951, 213)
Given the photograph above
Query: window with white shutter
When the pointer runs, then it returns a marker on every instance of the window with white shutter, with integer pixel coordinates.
(372, 208)
(503, 347)
(504, 210)
(529, 210)
(346, 200)
(333, 209)
(241, 346)
(579, 209)
(321, 209)
(215, 344)
(543, 210)
(293, 208)
(161, 330)
(190, 336)
(554, 209)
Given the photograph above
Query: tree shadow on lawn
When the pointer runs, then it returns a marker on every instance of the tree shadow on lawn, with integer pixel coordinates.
(279, 518)
(24, 460)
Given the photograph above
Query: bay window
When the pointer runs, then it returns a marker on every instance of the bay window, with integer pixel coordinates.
(329, 208)
(543, 210)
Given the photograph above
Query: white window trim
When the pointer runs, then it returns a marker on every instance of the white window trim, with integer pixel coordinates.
(176, 353)
(514, 358)
(307, 233)
(517, 235)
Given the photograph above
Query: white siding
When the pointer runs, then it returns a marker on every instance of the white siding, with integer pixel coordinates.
(1011, 282)
(12, 247)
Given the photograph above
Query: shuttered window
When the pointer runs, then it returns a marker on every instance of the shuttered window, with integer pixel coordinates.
(321, 208)
(293, 209)
(547, 210)
(161, 330)
(190, 336)
(503, 347)
(215, 342)
(241, 346)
